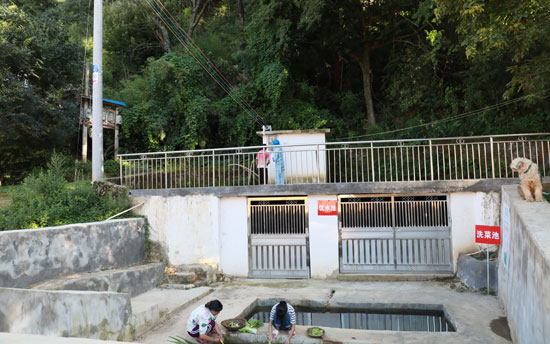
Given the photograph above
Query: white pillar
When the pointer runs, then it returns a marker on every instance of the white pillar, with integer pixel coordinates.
(97, 92)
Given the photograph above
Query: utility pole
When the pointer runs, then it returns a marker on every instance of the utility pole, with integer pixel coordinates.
(85, 112)
(97, 89)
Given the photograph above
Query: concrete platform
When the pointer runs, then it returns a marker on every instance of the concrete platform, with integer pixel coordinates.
(471, 312)
(133, 280)
(393, 277)
(16, 338)
(154, 306)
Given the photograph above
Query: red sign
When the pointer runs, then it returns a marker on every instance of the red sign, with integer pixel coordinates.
(327, 208)
(488, 235)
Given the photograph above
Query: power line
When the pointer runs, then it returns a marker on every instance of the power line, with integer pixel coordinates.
(181, 35)
(452, 118)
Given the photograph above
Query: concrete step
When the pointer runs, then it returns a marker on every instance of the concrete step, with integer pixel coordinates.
(198, 274)
(133, 280)
(393, 277)
(181, 277)
(176, 286)
(150, 308)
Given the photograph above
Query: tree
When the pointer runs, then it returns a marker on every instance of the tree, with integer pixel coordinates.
(38, 96)
(516, 30)
(169, 106)
(197, 10)
(363, 27)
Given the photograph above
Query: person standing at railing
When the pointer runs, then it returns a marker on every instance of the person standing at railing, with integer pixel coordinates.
(279, 161)
(262, 161)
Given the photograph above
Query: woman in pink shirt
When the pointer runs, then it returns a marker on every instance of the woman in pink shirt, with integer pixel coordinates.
(262, 160)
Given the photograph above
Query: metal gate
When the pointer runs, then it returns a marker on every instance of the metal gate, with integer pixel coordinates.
(278, 237)
(394, 233)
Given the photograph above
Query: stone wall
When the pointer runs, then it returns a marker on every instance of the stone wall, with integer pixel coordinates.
(31, 256)
(524, 267)
(99, 315)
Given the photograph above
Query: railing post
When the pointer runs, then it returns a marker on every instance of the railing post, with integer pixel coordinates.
(120, 159)
(318, 167)
(492, 157)
(213, 168)
(166, 170)
(372, 160)
(431, 162)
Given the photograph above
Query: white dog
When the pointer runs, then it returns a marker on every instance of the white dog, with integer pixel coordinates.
(530, 187)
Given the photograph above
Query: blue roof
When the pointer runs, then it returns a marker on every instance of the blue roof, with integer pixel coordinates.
(116, 102)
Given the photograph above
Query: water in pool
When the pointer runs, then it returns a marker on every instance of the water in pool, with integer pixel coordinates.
(365, 319)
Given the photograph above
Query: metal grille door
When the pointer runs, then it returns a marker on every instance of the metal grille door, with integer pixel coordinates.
(278, 238)
(395, 234)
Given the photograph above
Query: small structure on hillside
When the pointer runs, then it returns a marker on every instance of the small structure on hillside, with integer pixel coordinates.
(111, 120)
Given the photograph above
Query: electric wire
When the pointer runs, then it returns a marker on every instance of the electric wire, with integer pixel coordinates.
(214, 74)
(452, 118)
(160, 10)
(209, 61)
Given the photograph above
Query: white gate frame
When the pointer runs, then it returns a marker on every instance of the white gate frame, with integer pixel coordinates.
(428, 249)
(278, 255)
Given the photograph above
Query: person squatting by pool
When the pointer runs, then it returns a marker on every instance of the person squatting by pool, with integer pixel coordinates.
(202, 323)
(282, 318)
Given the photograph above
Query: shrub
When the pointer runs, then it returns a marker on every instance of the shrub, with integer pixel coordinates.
(111, 168)
(47, 199)
(84, 170)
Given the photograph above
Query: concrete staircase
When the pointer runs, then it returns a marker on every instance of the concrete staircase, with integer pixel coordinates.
(154, 295)
(183, 277)
(133, 280)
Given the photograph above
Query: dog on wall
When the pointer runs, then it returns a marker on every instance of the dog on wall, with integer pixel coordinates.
(530, 186)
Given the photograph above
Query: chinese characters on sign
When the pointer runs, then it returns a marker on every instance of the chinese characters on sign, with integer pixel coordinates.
(488, 235)
(327, 207)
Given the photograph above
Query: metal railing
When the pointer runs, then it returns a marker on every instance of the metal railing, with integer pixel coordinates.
(458, 158)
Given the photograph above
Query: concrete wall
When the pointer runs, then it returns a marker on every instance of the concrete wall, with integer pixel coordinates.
(469, 209)
(185, 227)
(34, 255)
(66, 313)
(323, 239)
(524, 267)
(134, 280)
(207, 229)
(233, 224)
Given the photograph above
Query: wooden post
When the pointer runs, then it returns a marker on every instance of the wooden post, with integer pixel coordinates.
(116, 133)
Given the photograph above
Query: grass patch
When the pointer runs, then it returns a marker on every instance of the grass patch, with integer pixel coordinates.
(48, 199)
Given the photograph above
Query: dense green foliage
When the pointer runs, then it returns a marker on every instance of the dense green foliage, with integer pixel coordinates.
(364, 69)
(47, 199)
(38, 89)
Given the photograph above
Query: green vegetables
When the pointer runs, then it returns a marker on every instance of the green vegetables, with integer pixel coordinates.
(316, 331)
(233, 324)
(251, 326)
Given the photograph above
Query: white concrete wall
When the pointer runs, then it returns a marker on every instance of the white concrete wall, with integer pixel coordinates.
(323, 240)
(524, 267)
(186, 227)
(233, 224)
(469, 209)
